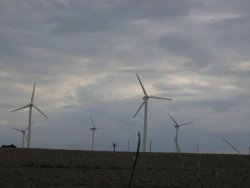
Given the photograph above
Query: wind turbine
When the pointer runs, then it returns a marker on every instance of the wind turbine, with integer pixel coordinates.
(145, 104)
(177, 126)
(30, 105)
(23, 133)
(93, 129)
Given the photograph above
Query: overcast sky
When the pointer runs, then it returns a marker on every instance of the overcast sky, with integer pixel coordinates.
(84, 56)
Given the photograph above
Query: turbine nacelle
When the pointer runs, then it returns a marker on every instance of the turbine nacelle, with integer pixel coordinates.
(93, 132)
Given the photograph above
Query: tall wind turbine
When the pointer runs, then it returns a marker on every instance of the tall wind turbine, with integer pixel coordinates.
(93, 129)
(30, 106)
(23, 133)
(145, 104)
(177, 126)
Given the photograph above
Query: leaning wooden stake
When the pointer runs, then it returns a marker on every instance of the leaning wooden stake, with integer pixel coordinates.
(235, 149)
(231, 145)
(135, 162)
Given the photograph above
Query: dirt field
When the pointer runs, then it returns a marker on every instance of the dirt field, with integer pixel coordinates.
(70, 168)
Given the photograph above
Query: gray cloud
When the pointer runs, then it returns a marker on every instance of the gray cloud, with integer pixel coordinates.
(182, 46)
(79, 16)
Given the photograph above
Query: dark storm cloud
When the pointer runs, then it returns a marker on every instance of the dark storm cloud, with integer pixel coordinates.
(88, 16)
(92, 16)
(233, 33)
(182, 46)
(77, 17)
(221, 104)
(227, 6)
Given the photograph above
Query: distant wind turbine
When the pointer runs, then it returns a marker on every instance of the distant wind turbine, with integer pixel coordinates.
(145, 103)
(30, 105)
(23, 133)
(177, 126)
(93, 129)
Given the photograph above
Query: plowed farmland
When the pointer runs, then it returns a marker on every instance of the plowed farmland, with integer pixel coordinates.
(74, 168)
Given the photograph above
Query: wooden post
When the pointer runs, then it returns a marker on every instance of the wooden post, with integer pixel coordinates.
(135, 162)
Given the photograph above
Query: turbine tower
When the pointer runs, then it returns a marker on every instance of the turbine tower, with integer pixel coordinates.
(30, 106)
(93, 129)
(23, 133)
(145, 104)
(177, 126)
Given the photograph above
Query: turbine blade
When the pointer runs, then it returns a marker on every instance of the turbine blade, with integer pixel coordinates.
(32, 96)
(26, 106)
(143, 89)
(40, 111)
(163, 98)
(92, 121)
(186, 124)
(139, 108)
(17, 129)
(173, 119)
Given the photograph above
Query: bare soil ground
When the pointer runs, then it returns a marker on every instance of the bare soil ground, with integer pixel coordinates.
(73, 168)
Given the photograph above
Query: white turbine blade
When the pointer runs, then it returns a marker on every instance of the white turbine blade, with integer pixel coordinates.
(186, 123)
(139, 108)
(92, 121)
(143, 89)
(163, 98)
(21, 108)
(17, 129)
(40, 111)
(173, 119)
(32, 97)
